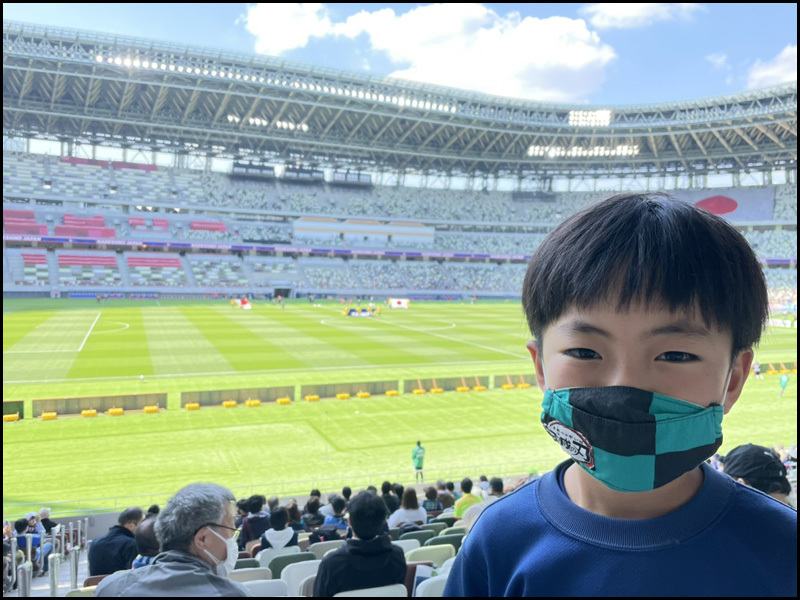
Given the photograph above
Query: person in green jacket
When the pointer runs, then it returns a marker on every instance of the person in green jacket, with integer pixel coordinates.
(418, 455)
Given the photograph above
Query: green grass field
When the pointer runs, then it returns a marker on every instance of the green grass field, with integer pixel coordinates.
(65, 348)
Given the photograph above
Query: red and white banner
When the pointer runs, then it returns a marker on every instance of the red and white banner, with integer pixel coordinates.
(737, 205)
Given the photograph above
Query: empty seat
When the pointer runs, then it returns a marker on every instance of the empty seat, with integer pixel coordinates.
(250, 574)
(278, 563)
(454, 539)
(396, 590)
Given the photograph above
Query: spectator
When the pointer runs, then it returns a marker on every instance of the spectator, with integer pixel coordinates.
(644, 312)
(152, 511)
(273, 503)
(484, 487)
(116, 550)
(241, 512)
(392, 502)
(39, 551)
(327, 510)
(448, 502)
(337, 517)
(760, 468)
(431, 502)
(451, 488)
(398, 489)
(312, 516)
(279, 535)
(372, 489)
(146, 543)
(495, 489)
(346, 493)
(466, 500)
(409, 511)
(46, 521)
(368, 559)
(295, 518)
(198, 549)
(255, 523)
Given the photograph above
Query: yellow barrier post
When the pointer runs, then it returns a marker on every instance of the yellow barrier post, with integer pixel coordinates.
(115, 412)
(229, 403)
(312, 398)
(89, 412)
(49, 416)
(343, 396)
(285, 400)
(11, 418)
(192, 406)
(363, 395)
(253, 402)
(151, 409)
(392, 393)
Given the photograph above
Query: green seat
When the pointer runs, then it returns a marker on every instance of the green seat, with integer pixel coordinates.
(454, 539)
(278, 563)
(453, 530)
(437, 528)
(394, 534)
(421, 536)
(246, 563)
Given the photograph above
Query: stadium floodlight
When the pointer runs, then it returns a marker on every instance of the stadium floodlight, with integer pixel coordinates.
(136, 63)
(171, 67)
(180, 68)
(589, 118)
(127, 62)
(99, 58)
(146, 64)
(213, 73)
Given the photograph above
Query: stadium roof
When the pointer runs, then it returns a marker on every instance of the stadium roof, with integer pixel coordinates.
(106, 89)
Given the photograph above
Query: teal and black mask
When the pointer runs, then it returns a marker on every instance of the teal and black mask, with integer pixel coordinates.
(630, 439)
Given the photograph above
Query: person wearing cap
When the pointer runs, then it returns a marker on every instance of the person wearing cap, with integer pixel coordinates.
(760, 468)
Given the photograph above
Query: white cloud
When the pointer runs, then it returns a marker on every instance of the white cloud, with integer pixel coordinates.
(285, 26)
(781, 69)
(466, 46)
(719, 60)
(613, 15)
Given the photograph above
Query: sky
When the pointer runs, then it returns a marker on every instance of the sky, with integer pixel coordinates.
(594, 54)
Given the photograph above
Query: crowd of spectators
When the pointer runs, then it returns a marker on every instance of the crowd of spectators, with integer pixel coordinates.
(190, 547)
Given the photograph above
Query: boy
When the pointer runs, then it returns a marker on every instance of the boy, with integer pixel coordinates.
(644, 312)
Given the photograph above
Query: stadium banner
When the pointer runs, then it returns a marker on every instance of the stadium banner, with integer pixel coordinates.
(216, 397)
(398, 302)
(74, 406)
(14, 407)
(737, 205)
(329, 390)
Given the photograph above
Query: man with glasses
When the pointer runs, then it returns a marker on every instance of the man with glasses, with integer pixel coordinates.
(198, 549)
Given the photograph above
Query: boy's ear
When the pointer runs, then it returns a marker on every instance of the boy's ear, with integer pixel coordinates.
(740, 371)
(536, 356)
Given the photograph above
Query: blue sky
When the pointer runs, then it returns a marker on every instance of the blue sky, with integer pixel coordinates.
(599, 54)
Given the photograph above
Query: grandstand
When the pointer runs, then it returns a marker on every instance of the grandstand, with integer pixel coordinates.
(285, 179)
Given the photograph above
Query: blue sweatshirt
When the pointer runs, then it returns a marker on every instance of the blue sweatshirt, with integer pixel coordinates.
(729, 540)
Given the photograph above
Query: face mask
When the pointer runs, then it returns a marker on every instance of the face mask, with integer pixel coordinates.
(223, 568)
(629, 439)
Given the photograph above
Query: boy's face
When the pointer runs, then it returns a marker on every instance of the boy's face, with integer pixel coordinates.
(673, 354)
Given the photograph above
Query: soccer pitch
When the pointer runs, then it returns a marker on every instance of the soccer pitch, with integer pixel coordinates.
(65, 348)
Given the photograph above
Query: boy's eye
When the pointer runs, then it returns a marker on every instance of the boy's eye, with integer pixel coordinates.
(677, 357)
(582, 353)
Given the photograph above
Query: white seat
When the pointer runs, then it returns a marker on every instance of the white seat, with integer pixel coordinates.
(295, 573)
(320, 548)
(407, 545)
(266, 587)
(448, 564)
(431, 588)
(265, 556)
(396, 590)
(250, 574)
(307, 586)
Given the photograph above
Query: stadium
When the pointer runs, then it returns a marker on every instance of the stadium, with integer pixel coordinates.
(188, 234)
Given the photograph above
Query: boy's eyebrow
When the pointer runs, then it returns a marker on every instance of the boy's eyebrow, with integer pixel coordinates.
(579, 326)
(682, 327)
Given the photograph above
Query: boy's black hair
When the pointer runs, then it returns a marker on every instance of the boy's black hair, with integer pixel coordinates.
(20, 525)
(367, 515)
(386, 488)
(346, 492)
(338, 505)
(496, 485)
(466, 485)
(278, 518)
(254, 504)
(131, 515)
(648, 248)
